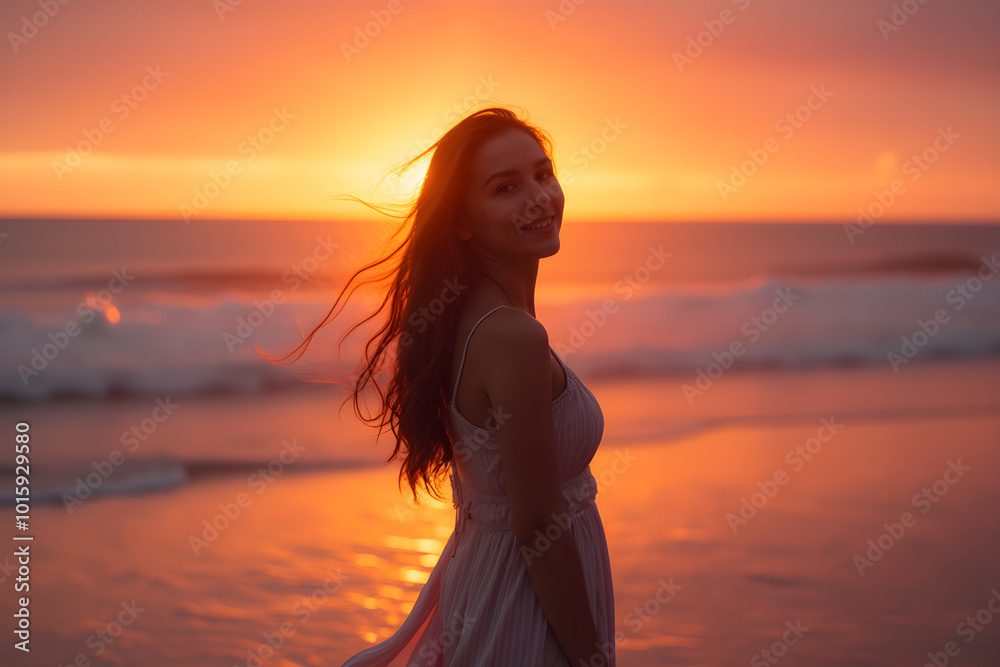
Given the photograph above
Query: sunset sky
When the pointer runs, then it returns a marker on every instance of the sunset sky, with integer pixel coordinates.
(673, 99)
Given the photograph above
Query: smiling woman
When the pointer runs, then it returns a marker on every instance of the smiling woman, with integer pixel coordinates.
(477, 392)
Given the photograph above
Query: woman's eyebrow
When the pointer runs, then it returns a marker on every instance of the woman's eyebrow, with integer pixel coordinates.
(511, 172)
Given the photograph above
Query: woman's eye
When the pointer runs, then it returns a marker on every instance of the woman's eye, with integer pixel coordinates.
(507, 187)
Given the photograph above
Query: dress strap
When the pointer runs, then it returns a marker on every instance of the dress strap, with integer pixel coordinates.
(461, 364)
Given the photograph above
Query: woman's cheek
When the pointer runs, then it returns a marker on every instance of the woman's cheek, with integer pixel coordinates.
(515, 216)
(557, 193)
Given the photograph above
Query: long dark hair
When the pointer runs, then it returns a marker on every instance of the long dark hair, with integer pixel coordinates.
(427, 260)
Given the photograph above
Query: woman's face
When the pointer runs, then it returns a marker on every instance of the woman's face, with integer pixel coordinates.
(514, 203)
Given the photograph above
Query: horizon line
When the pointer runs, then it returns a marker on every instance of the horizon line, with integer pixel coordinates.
(784, 220)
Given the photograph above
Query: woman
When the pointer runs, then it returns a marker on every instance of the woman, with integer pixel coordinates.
(476, 391)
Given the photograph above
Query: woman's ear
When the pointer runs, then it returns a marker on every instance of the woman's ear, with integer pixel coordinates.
(463, 230)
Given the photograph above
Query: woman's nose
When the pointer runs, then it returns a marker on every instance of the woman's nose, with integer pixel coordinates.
(539, 198)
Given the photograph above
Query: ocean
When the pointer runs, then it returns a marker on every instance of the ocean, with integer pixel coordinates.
(103, 309)
(131, 349)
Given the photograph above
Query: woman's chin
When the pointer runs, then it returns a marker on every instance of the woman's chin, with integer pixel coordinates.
(550, 248)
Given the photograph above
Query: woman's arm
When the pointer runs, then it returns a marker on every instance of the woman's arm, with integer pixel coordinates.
(515, 353)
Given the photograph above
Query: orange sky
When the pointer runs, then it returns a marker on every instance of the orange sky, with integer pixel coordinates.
(333, 122)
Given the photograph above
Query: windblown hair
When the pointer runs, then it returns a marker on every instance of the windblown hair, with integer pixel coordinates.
(426, 260)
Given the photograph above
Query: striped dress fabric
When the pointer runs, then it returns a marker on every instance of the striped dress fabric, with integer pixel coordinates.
(479, 604)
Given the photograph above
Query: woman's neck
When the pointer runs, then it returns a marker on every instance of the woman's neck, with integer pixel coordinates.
(515, 285)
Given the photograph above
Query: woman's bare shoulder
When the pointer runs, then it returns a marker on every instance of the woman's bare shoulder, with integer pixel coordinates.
(512, 329)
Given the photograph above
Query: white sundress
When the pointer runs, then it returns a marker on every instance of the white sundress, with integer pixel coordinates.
(479, 603)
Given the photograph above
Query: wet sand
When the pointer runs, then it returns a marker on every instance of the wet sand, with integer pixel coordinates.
(322, 564)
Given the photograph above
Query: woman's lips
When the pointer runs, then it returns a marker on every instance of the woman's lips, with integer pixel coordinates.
(543, 225)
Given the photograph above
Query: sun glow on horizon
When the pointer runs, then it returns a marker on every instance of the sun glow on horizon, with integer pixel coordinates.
(636, 136)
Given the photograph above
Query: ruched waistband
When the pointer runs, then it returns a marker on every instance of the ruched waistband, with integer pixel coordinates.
(492, 513)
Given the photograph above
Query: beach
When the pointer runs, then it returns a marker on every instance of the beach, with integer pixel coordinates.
(798, 462)
(306, 567)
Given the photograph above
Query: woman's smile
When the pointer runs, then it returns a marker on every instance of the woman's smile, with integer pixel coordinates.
(543, 227)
